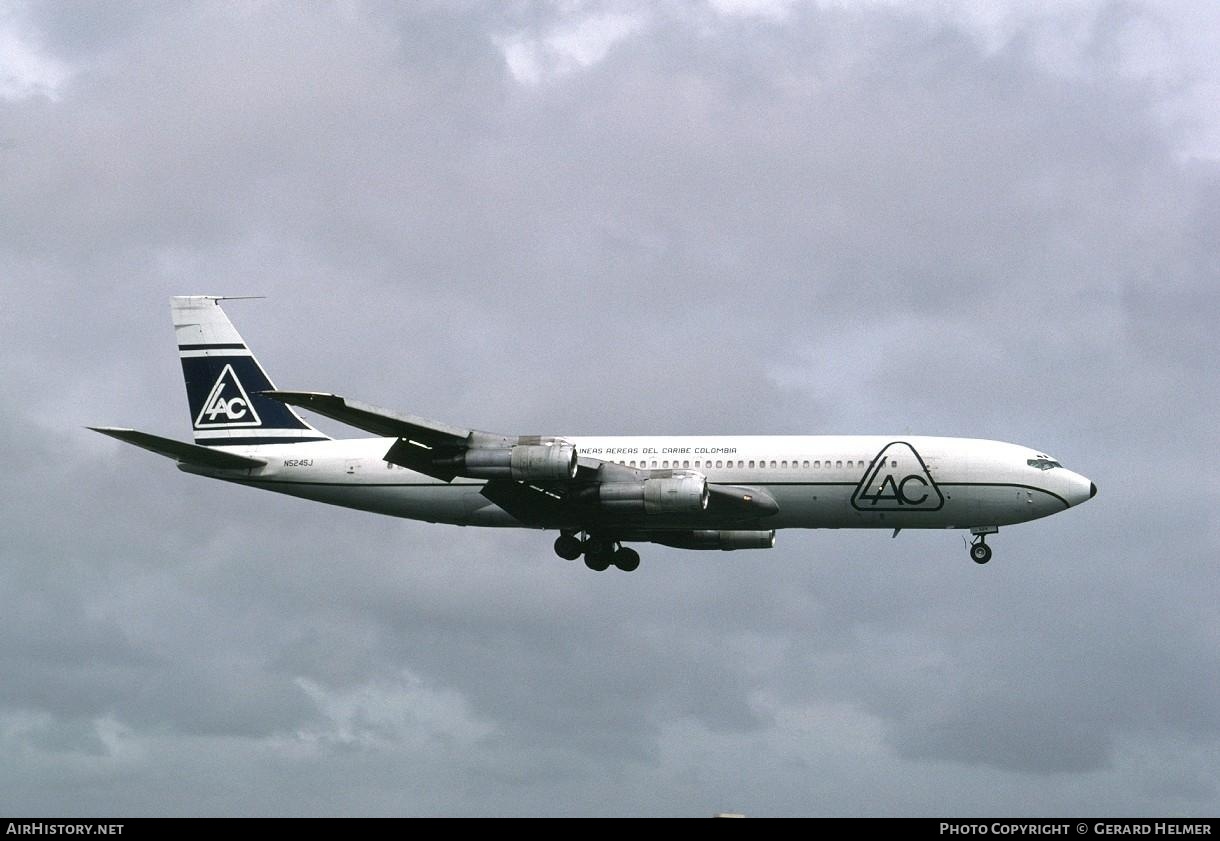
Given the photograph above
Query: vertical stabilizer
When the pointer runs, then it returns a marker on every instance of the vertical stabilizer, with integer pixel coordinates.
(224, 382)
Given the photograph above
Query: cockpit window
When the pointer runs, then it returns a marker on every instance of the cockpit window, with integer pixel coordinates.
(1043, 462)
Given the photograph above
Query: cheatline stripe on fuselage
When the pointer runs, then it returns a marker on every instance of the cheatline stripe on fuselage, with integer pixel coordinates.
(1003, 485)
(255, 481)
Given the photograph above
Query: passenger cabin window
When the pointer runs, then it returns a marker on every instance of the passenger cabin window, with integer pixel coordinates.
(805, 464)
(838, 464)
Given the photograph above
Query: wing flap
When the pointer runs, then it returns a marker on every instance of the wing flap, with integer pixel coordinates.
(417, 456)
(180, 450)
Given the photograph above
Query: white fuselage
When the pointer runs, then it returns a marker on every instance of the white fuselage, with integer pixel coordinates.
(818, 481)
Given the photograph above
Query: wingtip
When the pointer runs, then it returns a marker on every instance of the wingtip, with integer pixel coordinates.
(106, 430)
(281, 395)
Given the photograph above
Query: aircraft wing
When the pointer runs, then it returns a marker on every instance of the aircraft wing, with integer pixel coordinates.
(530, 475)
(383, 422)
(425, 446)
(444, 451)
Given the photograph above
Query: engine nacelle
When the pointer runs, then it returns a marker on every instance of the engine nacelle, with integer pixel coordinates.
(685, 494)
(523, 463)
(710, 539)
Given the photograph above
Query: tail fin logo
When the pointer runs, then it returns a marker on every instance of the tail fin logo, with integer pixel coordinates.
(897, 480)
(227, 405)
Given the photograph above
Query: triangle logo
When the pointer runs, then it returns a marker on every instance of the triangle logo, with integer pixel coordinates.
(897, 480)
(227, 405)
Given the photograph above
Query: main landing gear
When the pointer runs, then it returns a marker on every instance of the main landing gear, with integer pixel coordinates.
(980, 552)
(599, 554)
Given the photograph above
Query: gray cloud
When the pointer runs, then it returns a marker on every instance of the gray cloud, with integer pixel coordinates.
(819, 220)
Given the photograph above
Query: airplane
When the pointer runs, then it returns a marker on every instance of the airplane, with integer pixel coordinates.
(599, 493)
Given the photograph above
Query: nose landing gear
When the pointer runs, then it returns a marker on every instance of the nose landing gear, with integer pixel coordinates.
(980, 552)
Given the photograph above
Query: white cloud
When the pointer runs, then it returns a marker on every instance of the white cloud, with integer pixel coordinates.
(567, 47)
(938, 233)
(26, 70)
(775, 10)
(389, 714)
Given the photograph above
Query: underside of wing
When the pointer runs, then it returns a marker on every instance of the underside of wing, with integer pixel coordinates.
(613, 497)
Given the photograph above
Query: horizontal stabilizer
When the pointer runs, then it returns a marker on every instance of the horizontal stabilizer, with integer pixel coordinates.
(180, 450)
(372, 419)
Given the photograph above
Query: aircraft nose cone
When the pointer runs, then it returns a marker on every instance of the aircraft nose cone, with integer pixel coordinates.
(1077, 488)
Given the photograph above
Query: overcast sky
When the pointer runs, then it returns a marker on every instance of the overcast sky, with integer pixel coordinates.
(987, 219)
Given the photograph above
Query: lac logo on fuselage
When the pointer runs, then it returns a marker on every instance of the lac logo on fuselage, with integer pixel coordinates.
(897, 480)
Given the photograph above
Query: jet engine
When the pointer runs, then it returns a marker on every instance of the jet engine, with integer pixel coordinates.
(523, 463)
(709, 539)
(677, 495)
